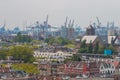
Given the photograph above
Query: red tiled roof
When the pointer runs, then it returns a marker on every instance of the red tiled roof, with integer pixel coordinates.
(49, 78)
(116, 64)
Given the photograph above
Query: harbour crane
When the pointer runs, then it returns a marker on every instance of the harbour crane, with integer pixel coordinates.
(65, 24)
(99, 23)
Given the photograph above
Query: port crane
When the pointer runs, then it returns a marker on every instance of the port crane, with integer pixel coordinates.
(42, 30)
(99, 23)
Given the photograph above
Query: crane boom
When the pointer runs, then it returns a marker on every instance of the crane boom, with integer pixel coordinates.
(98, 22)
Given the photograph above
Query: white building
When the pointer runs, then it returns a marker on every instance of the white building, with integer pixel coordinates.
(59, 55)
(107, 68)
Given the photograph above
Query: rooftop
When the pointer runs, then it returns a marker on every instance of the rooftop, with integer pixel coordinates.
(89, 39)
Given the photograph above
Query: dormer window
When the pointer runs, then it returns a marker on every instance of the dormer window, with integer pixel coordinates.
(102, 67)
(112, 67)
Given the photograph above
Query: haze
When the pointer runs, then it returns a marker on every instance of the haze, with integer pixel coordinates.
(19, 12)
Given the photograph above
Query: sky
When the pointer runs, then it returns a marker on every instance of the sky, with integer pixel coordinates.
(25, 12)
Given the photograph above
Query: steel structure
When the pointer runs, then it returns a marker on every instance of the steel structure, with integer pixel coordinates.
(40, 30)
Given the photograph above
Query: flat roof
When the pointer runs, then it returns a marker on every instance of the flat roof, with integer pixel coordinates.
(89, 54)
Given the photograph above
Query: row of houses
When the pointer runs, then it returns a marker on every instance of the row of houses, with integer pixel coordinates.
(53, 53)
(81, 69)
(7, 72)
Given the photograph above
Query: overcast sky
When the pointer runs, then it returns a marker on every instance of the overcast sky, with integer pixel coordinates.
(18, 12)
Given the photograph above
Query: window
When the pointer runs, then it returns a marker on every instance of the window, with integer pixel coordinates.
(111, 71)
(102, 67)
(113, 67)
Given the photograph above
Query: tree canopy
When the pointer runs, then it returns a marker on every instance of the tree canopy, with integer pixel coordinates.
(90, 47)
(22, 53)
(57, 40)
(83, 44)
(73, 58)
(3, 54)
(83, 47)
(28, 68)
(96, 48)
(22, 38)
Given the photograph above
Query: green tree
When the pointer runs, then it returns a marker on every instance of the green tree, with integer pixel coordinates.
(28, 68)
(90, 47)
(70, 46)
(22, 53)
(67, 59)
(18, 37)
(96, 48)
(114, 50)
(3, 54)
(76, 58)
(50, 41)
(57, 40)
(22, 38)
(101, 49)
(73, 58)
(36, 42)
(83, 44)
(82, 50)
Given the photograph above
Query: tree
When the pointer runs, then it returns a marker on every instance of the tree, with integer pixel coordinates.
(18, 37)
(3, 54)
(83, 48)
(36, 42)
(90, 47)
(83, 44)
(76, 58)
(22, 38)
(50, 41)
(101, 49)
(22, 53)
(96, 48)
(57, 40)
(28, 68)
(73, 58)
(114, 50)
(67, 59)
(70, 46)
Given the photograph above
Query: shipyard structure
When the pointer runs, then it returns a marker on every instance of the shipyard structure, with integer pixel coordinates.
(45, 30)
(68, 29)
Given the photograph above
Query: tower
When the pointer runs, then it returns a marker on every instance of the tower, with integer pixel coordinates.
(90, 30)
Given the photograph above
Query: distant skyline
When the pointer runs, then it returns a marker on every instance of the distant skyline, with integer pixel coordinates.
(18, 12)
